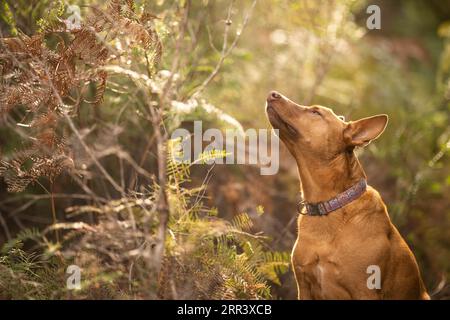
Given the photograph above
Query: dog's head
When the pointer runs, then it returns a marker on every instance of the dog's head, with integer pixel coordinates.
(317, 131)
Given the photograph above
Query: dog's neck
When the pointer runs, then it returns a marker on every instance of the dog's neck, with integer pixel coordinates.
(321, 180)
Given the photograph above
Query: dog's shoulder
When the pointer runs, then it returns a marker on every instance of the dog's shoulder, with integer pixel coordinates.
(373, 199)
(370, 210)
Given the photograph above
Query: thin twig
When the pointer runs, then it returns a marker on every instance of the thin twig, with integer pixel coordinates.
(52, 201)
(5, 227)
(225, 51)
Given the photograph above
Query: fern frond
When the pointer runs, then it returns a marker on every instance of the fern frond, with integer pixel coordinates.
(242, 222)
(20, 238)
(275, 264)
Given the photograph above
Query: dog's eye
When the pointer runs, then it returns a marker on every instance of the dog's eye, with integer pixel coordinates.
(316, 112)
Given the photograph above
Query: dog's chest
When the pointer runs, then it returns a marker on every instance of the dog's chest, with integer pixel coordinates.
(317, 272)
(316, 264)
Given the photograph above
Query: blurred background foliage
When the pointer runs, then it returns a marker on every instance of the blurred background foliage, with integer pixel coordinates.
(315, 52)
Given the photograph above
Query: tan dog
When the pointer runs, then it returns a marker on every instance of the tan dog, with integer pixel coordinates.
(337, 251)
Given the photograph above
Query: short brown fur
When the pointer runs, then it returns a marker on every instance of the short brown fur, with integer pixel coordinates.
(332, 253)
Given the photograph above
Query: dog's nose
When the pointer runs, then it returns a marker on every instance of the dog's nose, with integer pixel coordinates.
(273, 96)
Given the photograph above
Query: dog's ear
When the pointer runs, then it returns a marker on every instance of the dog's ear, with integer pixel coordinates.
(361, 132)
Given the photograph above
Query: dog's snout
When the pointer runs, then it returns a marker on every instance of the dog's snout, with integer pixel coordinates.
(273, 96)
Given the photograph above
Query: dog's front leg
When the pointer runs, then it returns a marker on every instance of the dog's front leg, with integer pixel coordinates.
(303, 286)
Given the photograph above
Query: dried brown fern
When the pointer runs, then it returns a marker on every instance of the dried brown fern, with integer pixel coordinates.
(28, 166)
(51, 81)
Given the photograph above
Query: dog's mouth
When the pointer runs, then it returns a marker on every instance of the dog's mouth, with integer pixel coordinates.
(278, 123)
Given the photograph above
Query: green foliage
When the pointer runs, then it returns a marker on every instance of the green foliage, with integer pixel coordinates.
(227, 260)
(52, 16)
(20, 238)
(24, 275)
(7, 17)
